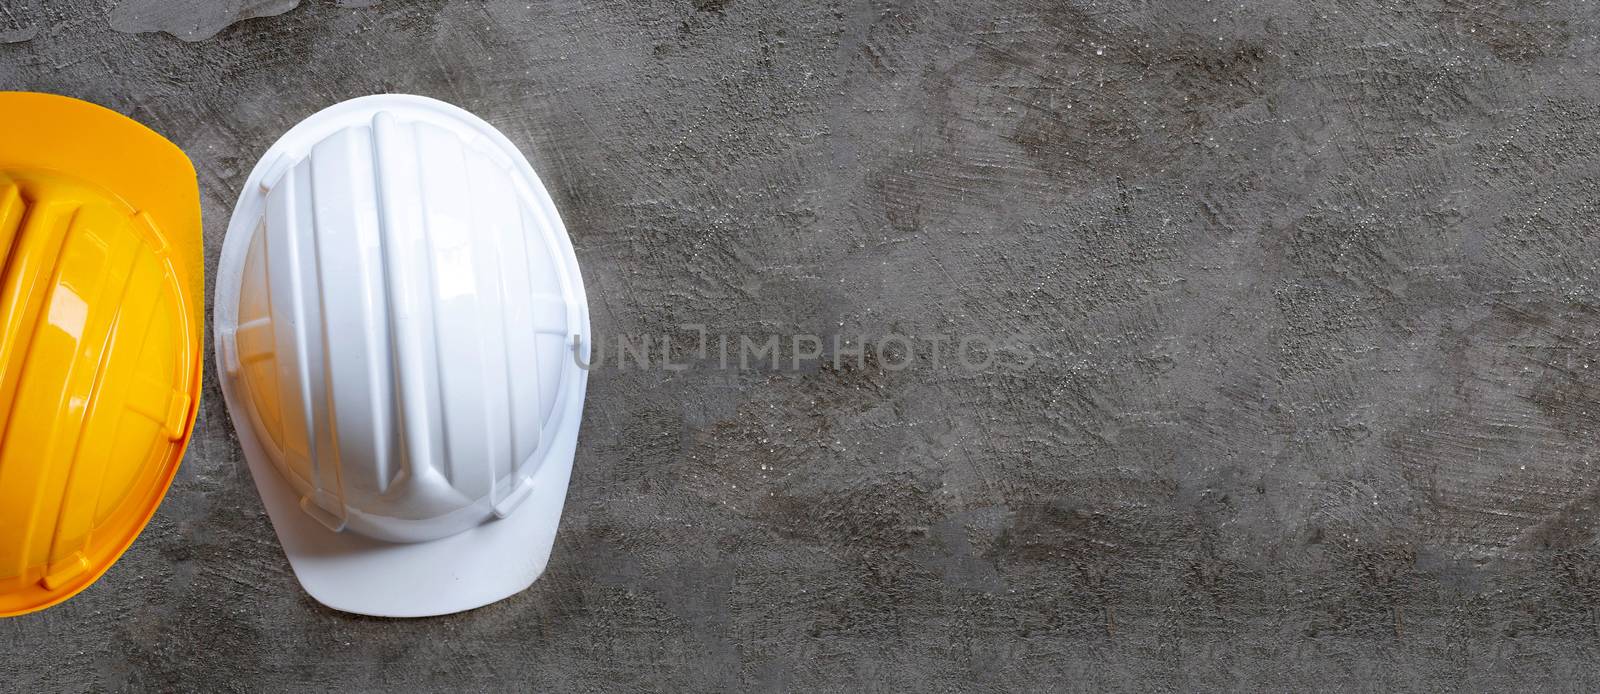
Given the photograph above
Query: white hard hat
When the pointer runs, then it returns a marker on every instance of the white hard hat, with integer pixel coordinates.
(399, 325)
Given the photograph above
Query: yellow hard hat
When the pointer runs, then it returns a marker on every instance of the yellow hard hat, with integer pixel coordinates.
(101, 311)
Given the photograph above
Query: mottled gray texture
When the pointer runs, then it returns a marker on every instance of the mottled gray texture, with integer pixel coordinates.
(1314, 292)
(191, 20)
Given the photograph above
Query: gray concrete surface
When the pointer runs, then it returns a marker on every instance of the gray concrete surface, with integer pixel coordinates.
(1312, 289)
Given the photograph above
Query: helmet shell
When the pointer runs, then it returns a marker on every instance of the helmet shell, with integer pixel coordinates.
(100, 319)
(397, 309)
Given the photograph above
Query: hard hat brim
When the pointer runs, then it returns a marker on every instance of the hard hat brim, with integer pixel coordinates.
(353, 573)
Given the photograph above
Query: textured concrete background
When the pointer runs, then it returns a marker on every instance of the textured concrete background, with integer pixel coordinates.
(1313, 291)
